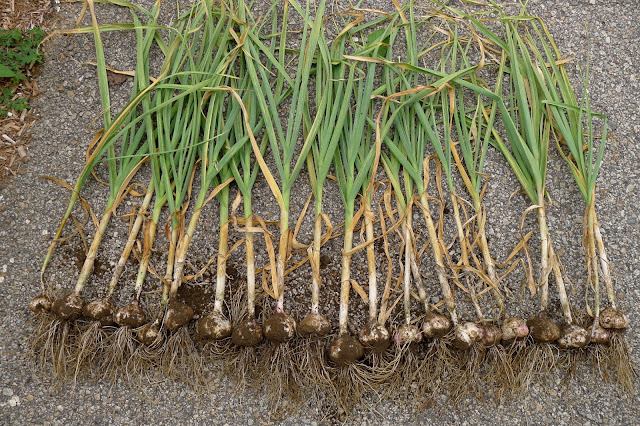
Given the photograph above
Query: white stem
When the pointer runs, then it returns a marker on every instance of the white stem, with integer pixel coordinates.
(169, 272)
(87, 267)
(283, 255)
(461, 238)
(181, 254)
(488, 261)
(474, 300)
(592, 262)
(149, 237)
(251, 271)
(407, 275)
(280, 281)
(221, 275)
(345, 283)
(417, 279)
(371, 264)
(415, 269)
(544, 257)
(549, 257)
(437, 248)
(133, 235)
(604, 265)
(562, 291)
(315, 266)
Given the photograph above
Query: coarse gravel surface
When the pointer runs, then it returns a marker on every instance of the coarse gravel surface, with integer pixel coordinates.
(605, 33)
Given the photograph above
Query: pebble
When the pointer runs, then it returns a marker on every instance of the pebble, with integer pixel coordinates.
(7, 392)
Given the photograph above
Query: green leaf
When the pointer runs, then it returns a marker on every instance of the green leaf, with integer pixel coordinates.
(6, 72)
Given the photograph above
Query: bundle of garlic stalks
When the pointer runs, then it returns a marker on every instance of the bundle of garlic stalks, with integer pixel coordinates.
(385, 119)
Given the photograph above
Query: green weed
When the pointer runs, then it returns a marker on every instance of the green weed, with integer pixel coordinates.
(18, 53)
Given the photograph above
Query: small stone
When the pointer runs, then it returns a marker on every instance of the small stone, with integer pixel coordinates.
(30, 397)
(60, 408)
(15, 400)
(7, 392)
(631, 186)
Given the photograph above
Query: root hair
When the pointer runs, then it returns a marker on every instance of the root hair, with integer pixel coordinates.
(242, 365)
(90, 350)
(498, 371)
(181, 361)
(314, 370)
(282, 381)
(53, 348)
(143, 367)
(534, 365)
(120, 346)
(349, 387)
(620, 362)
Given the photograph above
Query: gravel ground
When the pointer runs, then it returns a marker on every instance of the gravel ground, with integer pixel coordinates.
(30, 208)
